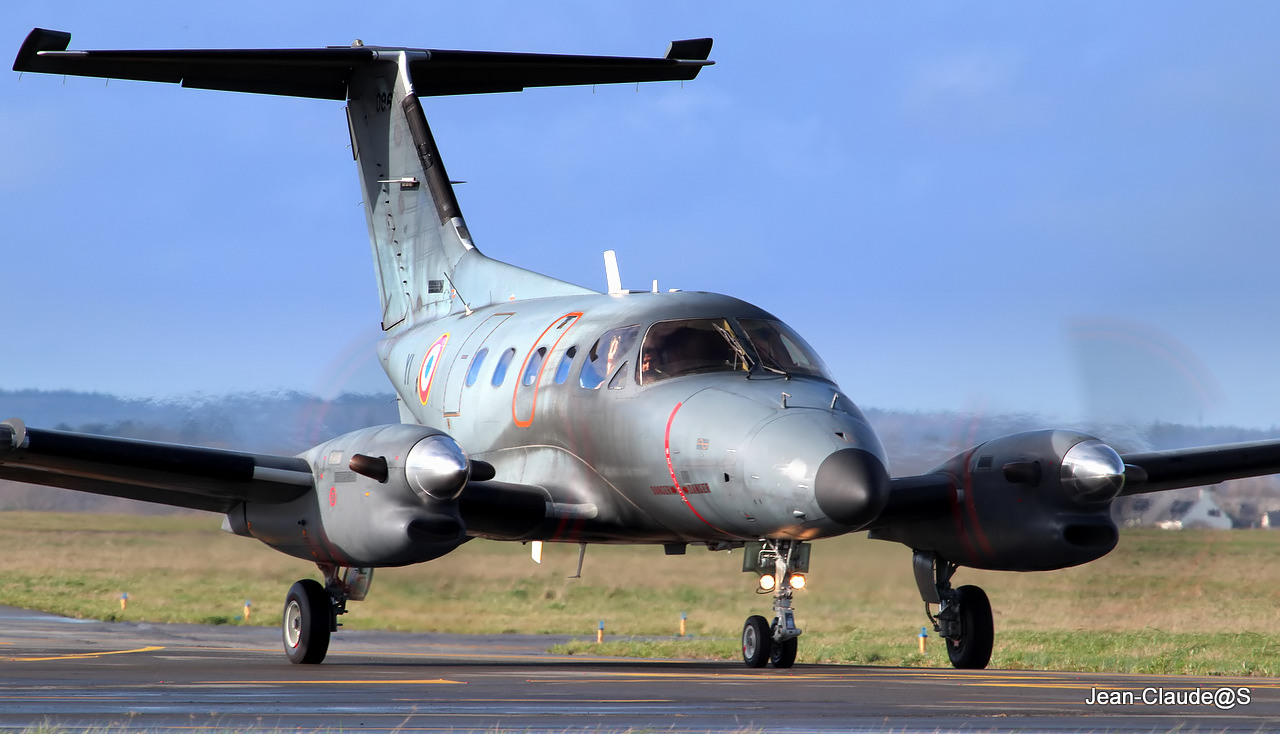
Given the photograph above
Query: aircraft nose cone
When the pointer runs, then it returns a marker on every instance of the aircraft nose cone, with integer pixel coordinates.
(851, 487)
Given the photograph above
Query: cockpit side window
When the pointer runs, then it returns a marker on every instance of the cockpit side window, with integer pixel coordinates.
(606, 354)
(690, 346)
(780, 348)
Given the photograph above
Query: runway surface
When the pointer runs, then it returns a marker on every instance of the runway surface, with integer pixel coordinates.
(131, 677)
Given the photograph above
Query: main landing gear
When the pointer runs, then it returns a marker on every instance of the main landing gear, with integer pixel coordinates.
(779, 564)
(311, 610)
(964, 617)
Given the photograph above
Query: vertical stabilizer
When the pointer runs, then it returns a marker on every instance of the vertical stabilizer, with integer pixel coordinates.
(426, 263)
(415, 225)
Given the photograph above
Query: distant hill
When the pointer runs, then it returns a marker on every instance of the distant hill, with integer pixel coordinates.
(283, 423)
(275, 423)
(290, 422)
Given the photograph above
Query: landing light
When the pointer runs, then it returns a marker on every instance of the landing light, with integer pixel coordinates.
(767, 582)
(797, 581)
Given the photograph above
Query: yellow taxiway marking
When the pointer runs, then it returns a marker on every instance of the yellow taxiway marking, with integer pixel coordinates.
(370, 682)
(82, 655)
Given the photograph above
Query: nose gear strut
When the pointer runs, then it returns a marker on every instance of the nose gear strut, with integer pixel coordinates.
(777, 641)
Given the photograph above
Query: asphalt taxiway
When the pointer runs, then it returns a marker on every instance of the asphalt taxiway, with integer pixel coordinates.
(128, 677)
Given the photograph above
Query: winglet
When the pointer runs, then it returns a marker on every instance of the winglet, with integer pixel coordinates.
(691, 49)
(39, 39)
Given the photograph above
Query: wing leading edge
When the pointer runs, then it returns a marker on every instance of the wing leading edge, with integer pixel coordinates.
(182, 476)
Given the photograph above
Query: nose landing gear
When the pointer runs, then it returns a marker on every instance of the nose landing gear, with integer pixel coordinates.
(778, 562)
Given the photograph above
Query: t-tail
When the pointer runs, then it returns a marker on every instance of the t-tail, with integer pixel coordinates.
(426, 264)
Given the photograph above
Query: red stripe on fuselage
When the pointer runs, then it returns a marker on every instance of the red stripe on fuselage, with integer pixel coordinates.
(666, 447)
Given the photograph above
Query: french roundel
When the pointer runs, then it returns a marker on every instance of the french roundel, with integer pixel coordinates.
(429, 364)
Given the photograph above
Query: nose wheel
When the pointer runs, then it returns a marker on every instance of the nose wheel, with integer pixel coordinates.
(776, 642)
(757, 642)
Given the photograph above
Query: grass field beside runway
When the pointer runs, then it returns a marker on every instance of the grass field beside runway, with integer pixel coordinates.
(1186, 602)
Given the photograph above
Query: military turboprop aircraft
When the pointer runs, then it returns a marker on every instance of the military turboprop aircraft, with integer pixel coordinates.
(537, 410)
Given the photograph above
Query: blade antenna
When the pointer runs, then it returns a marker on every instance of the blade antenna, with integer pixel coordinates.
(465, 305)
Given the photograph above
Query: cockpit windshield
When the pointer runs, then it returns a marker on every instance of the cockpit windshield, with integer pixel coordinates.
(690, 346)
(782, 349)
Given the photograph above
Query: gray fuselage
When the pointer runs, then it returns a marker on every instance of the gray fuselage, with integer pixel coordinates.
(725, 454)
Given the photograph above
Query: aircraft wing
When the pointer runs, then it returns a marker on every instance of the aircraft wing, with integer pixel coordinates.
(928, 496)
(171, 474)
(323, 73)
(1156, 471)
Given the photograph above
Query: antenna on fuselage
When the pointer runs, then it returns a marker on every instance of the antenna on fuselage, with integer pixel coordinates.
(611, 273)
(465, 305)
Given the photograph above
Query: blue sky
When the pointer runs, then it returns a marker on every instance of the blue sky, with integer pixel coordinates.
(1071, 209)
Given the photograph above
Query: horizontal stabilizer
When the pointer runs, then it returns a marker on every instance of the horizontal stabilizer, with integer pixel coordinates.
(325, 72)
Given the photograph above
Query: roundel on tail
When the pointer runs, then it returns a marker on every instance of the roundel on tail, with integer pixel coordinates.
(428, 371)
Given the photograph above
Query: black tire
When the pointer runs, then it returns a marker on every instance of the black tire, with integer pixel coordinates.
(783, 654)
(308, 622)
(757, 642)
(972, 651)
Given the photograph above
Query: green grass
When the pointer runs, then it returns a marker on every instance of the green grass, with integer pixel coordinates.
(1189, 602)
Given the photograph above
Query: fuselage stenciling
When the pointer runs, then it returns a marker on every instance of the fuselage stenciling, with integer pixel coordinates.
(740, 453)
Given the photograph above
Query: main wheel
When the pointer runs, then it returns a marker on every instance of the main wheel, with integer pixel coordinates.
(972, 650)
(308, 620)
(757, 641)
(783, 654)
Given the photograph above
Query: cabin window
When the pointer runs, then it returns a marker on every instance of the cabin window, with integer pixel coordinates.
(473, 372)
(562, 371)
(535, 365)
(500, 370)
(606, 354)
(688, 347)
(782, 349)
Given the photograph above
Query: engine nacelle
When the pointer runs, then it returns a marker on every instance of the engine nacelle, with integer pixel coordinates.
(384, 496)
(1026, 502)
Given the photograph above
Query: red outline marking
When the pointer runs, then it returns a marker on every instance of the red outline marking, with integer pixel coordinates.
(971, 506)
(666, 447)
(515, 393)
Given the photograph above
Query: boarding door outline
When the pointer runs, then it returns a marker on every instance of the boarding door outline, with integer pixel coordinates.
(466, 352)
